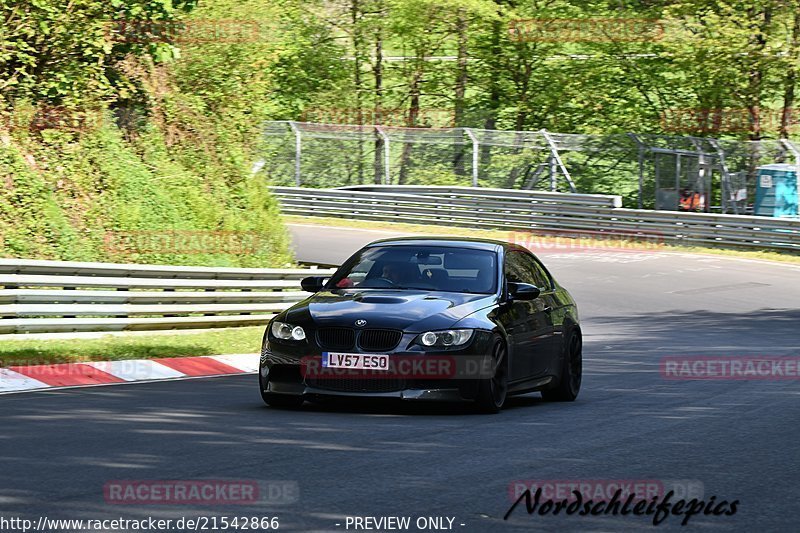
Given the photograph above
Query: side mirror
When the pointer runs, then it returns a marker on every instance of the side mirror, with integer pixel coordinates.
(523, 291)
(313, 283)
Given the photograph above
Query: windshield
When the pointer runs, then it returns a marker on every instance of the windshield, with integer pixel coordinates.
(430, 268)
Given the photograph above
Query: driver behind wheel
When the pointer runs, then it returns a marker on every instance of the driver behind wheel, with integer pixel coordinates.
(400, 273)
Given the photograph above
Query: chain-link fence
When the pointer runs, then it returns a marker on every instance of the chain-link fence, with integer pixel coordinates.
(650, 171)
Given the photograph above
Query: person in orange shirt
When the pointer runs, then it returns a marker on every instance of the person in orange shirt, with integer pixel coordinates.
(690, 201)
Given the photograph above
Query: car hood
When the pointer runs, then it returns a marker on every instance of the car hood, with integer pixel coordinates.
(409, 310)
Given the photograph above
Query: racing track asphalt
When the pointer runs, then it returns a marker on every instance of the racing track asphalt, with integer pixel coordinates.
(735, 439)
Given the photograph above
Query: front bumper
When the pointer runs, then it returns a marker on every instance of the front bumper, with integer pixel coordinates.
(428, 394)
(448, 375)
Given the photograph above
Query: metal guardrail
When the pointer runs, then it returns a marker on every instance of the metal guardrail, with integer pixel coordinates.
(445, 191)
(33, 266)
(58, 296)
(539, 211)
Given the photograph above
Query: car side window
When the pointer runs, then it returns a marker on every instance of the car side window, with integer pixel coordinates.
(533, 272)
(516, 270)
(546, 282)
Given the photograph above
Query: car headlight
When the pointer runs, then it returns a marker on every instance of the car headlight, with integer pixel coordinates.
(284, 331)
(450, 337)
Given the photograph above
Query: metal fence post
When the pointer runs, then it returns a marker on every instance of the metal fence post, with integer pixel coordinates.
(386, 176)
(554, 154)
(678, 172)
(298, 151)
(728, 194)
(475, 154)
(640, 146)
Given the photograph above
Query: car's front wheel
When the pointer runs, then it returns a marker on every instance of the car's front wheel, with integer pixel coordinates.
(281, 401)
(571, 372)
(492, 392)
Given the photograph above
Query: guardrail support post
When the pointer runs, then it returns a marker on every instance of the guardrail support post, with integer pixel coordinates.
(475, 154)
(298, 151)
(386, 177)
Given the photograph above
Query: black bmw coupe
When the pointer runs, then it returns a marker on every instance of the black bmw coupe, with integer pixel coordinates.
(427, 318)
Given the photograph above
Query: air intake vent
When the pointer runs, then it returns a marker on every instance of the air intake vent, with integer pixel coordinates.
(336, 338)
(379, 340)
(355, 384)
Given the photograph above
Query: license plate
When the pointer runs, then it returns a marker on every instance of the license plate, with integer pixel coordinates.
(356, 361)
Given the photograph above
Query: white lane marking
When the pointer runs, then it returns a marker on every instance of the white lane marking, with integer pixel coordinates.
(246, 362)
(127, 383)
(712, 257)
(136, 369)
(601, 257)
(14, 381)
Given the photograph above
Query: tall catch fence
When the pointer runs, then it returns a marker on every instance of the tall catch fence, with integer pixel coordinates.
(648, 171)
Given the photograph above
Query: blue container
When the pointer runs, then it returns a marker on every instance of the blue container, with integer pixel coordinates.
(776, 191)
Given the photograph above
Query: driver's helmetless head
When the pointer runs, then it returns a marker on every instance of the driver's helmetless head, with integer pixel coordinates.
(391, 272)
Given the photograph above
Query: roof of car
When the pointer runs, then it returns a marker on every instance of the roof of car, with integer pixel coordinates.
(454, 242)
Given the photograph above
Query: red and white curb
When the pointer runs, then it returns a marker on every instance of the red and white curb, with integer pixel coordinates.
(30, 378)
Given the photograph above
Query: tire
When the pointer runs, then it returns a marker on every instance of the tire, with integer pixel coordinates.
(281, 401)
(571, 373)
(492, 392)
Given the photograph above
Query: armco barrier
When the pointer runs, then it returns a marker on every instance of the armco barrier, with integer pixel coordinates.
(54, 296)
(532, 210)
(507, 195)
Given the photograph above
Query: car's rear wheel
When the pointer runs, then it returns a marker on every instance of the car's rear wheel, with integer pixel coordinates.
(572, 371)
(281, 401)
(492, 392)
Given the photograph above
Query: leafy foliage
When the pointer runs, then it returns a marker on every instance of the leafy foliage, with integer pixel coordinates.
(106, 137)
(183, 113)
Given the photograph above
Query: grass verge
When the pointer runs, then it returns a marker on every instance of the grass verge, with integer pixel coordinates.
(113, 347)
